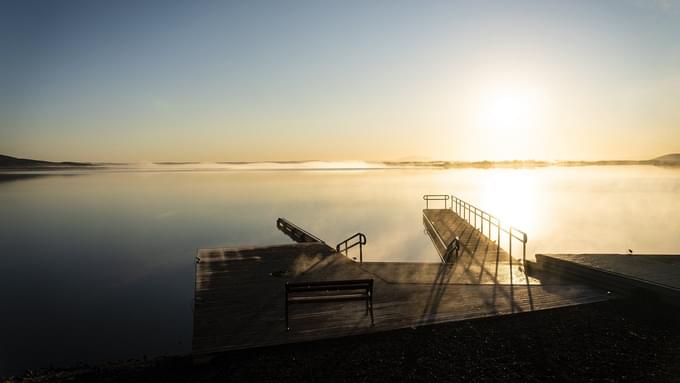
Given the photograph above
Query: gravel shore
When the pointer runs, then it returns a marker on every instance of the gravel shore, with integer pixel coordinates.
(610, 341)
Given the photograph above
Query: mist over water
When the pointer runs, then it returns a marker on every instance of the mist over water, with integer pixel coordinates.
(99, 265)
(243, 166)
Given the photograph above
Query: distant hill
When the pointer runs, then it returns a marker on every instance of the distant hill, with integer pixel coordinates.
(668, 159)
(413, 159)
(9, 162)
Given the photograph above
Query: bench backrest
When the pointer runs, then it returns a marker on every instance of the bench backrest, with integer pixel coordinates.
(350, 284)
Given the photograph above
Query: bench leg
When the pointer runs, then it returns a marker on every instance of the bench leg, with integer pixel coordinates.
(287, 327)
(372, 322)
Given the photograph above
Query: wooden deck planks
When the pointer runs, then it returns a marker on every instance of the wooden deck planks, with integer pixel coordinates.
(239, 296)
(658, 269)
(480, 260)
(473, 244)
(655, 274)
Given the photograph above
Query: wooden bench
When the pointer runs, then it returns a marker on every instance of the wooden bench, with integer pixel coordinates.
(330, 291)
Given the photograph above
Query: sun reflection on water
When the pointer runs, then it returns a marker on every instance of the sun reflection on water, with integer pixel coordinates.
(512, 197)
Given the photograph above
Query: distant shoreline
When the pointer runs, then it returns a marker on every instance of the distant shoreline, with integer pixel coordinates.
(529, 164)
(272, 166)
(12, 164)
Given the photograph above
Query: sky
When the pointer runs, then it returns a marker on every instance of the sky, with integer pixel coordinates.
(127, 81)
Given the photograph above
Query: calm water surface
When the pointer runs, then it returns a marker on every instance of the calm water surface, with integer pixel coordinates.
(97, 266)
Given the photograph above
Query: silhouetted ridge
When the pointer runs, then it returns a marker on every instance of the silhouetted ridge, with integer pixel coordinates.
(14, 162)
(673, 158)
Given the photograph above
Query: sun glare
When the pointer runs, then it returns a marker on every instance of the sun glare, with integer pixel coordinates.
(516, 204)
(509, 110)
(508, 117)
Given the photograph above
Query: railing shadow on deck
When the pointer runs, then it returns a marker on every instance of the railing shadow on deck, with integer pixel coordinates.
(479, 220)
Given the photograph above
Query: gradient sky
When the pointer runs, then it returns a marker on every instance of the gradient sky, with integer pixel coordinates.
(339, 80)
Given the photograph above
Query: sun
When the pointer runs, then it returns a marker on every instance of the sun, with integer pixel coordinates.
(507, 110)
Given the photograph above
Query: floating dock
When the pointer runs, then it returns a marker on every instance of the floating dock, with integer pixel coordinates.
(651, 276)
(239, 292)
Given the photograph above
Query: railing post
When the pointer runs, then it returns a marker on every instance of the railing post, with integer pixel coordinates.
(498, 239)
(524, 250)
(481, 223)
(510, 243)
(475, 218)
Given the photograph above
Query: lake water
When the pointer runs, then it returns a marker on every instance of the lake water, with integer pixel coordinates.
(99, 265)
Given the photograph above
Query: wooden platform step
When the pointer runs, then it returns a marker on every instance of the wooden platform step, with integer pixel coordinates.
(651, 276)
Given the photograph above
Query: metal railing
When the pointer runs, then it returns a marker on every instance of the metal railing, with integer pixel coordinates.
(359, 242)
(295, 232)
(480, 219)
(436, 197)
(444, 249)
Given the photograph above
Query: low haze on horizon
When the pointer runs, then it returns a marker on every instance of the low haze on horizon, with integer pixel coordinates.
(128, 81)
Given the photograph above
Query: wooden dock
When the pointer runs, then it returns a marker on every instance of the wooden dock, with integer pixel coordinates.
(654, 276)
(443, 225)
(239, 292)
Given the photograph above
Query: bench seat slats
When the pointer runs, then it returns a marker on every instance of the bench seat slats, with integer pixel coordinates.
(337, 298)
(328, 288)
(333, 293)
(336, 282)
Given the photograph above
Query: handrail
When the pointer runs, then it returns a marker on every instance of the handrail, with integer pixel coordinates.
(470, 213)
(436, 197)
(447, 249)
(361, 242)
(295, 232)
(453, 247)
